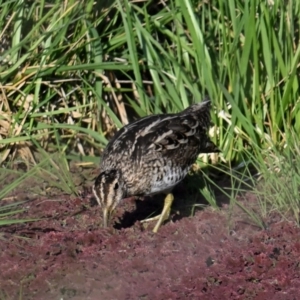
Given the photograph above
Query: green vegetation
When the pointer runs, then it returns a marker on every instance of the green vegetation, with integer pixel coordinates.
(72, 71)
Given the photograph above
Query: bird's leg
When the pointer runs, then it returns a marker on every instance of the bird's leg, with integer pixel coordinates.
(164, 214)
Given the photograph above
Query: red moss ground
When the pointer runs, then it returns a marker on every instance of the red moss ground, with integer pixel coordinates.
(67, 255)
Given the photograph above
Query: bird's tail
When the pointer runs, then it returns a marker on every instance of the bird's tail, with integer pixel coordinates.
(210, 148)
(203, 106)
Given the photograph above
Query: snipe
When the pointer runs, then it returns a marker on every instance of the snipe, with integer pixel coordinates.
(152, 155)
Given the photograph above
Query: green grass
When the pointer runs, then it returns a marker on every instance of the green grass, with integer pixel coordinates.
(279, 186)
(74, 71)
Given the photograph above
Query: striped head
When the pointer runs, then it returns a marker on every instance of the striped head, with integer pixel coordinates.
(109, 189)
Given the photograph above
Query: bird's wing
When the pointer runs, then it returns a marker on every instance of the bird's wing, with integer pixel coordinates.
(168, 133)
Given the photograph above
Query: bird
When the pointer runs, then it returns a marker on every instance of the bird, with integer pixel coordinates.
(152, 155)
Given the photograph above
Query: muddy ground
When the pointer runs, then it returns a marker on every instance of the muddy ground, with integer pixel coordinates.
(201, 253)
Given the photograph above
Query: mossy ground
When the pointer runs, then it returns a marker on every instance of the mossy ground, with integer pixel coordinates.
(210, 254)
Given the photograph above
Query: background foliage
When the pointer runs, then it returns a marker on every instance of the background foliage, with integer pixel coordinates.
(72, 72)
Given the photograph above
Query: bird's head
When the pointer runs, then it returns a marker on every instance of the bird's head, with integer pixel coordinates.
(109, 189)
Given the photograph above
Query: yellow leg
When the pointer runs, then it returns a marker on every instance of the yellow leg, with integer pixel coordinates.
(165, 212)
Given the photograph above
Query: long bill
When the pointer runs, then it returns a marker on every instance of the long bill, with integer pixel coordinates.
(106, 215)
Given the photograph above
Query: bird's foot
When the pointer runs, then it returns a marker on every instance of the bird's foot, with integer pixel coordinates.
(164, 214)
(151, 219)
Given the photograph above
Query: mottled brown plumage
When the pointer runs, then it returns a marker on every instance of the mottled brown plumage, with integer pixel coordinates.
(152, 155)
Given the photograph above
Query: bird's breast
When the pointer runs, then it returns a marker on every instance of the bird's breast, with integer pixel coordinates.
(166, 178)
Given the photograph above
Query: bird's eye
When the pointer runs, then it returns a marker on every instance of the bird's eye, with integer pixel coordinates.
(116, 186)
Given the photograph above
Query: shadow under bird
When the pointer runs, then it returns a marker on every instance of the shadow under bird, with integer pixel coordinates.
(152, 155)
